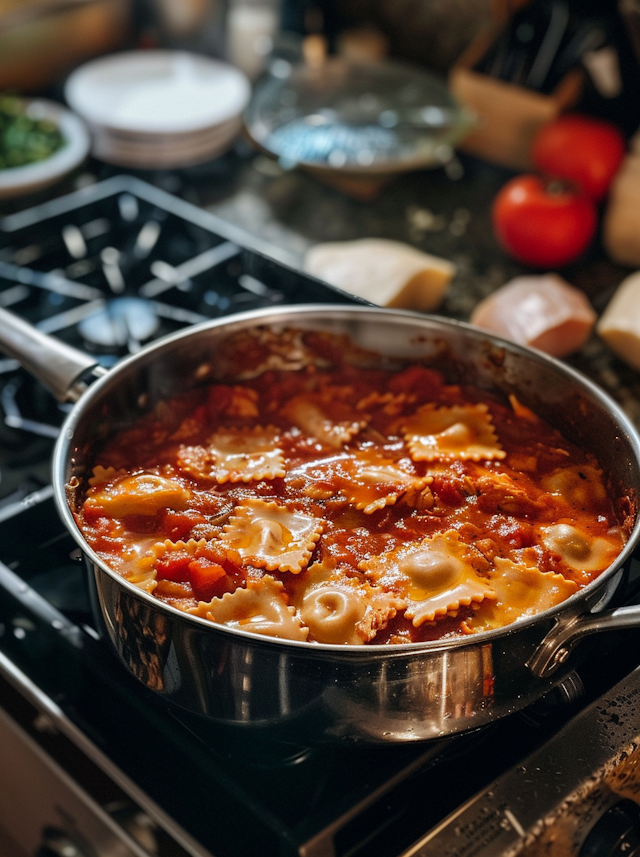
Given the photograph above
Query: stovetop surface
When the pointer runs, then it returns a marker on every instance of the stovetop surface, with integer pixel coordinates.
(108, 269)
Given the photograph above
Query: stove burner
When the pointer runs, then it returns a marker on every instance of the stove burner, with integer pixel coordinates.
(124, 322)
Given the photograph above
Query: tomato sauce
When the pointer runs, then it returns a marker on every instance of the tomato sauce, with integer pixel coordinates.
(350, 505)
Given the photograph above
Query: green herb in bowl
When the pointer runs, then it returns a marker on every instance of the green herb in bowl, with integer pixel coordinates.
(25, 137)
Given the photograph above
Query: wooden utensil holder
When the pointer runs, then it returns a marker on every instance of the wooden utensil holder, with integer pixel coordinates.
(508, 115)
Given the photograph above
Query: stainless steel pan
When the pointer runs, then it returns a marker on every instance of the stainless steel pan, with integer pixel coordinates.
(310, 692)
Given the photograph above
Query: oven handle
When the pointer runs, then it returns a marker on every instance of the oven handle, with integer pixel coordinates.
(59, 366)
(561, 640)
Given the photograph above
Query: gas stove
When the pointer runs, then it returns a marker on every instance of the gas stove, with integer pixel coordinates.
(96, 765)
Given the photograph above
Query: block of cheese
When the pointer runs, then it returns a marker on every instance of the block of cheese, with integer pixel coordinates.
(542, 311)
(383, 272)
(621, 220)
(619, 324)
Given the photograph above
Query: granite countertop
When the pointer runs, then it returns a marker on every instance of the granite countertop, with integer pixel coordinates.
(445, 212)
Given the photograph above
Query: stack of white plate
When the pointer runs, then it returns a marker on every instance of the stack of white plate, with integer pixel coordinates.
(159, 109)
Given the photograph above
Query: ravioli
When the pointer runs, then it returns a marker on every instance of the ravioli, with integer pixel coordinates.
(310, 491)
(342, 609)
(435, 576)
(520, 591)
(365, 479)
(138, 494)
(457, 432)
(235, 455)
(260, 608)
(579, 549)
(272, 536)
(310, 413)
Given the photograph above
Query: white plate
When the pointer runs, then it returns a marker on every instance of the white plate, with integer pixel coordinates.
(16, 181)
(157, 91)
(158, 158)
(232, 125)
(162, 152)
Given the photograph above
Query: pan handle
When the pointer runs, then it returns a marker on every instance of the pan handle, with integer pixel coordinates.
(559, 642)
(57, 365)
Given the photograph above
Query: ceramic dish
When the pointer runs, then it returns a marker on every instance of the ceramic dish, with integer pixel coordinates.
(158, 92)
(165, 151)
(160, 109)
(17, 181)
(163, 155)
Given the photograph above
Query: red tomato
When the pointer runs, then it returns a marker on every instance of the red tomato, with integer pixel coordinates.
(178, 525)
(580, 149)
(542, 223)
(174, 566)
(208, 579)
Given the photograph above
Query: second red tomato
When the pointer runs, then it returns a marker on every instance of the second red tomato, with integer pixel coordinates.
(543, 224)
(580, 149)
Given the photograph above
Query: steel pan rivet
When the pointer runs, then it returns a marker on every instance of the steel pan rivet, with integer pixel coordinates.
(561, 656)
(68, 434)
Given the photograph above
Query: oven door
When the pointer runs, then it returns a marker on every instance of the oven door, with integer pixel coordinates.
(44, 811)
(60, 797)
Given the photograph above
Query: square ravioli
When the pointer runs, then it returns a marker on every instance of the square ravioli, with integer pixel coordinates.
(435, 576)
(272, 536)
(458, 432)
(235, 455)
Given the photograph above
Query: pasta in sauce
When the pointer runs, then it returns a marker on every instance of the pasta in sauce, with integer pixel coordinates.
(332, 500)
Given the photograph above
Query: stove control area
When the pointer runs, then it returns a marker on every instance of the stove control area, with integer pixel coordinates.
(616, 832)
(575, 796)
